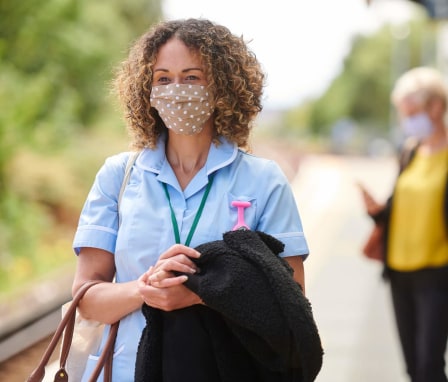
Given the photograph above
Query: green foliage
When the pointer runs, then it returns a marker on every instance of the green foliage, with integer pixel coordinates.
(361, 92)
(56, 62)
(56, 59)
(20, 227)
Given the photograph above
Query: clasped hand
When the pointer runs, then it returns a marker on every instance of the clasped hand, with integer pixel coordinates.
(161, 288)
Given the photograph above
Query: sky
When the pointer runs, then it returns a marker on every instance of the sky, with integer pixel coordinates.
(301, 44)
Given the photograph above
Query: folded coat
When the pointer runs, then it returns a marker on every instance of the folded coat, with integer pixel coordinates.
(256, 326)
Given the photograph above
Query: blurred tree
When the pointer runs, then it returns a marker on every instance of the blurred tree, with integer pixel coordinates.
(361, 92)
(56, 57)
(56, 60)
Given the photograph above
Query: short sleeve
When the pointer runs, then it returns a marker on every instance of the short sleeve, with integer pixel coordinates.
(280, 216)
(98, 223)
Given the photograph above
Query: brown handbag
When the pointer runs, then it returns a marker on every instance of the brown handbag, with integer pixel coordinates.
(67, 325)
(65, 329)
(374, 246)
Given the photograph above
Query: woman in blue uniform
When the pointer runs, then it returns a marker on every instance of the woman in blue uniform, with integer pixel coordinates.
(190, 92)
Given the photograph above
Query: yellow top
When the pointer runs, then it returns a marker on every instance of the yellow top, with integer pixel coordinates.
(417, 235)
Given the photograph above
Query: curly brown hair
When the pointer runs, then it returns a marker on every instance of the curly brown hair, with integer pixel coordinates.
(234, 77)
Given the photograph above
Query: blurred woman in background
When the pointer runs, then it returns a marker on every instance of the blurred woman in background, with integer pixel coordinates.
(416, 221)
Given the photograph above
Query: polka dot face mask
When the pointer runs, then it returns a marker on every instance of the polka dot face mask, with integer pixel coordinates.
(183, 108)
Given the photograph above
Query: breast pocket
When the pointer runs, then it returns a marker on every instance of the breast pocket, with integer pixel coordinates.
(242, 211)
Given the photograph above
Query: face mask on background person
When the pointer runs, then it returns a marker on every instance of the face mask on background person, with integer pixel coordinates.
(418, 125)
(183, 108)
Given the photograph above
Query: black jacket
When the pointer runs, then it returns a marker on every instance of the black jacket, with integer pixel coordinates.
(257, 324)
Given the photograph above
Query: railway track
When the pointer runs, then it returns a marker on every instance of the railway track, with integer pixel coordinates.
(28, 319)
(18, 367)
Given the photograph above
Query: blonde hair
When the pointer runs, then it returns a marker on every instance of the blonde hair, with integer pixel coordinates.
(419, 85)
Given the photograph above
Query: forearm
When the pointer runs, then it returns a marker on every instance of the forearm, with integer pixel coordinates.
(109, 302)
(296, 262)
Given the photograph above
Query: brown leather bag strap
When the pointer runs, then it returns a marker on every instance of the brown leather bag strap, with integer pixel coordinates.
(66, 326)
(106, 357)
(70, 327)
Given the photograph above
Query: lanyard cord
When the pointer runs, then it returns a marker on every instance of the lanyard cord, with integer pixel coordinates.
(196, 218)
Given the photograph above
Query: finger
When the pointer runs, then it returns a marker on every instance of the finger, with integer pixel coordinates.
(360, 186)
(143, 279)
(170, 282)
(145, 276)
(143, 287)
(141, 282)
(178, 249)
(179, 263)
(159, 276)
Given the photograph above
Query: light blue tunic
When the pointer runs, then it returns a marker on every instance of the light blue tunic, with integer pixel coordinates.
(146, 228)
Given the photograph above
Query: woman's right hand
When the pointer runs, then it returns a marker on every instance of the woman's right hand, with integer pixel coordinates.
(168, 298)
(177, 258)
(161, 288)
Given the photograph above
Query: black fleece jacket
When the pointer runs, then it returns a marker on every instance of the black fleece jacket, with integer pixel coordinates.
(256, 326)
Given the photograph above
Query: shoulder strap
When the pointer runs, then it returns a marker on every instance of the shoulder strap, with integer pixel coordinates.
(66, 326)
(127, 174)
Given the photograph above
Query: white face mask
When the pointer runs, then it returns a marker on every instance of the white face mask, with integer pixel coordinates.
(418, 126)
(183, 108)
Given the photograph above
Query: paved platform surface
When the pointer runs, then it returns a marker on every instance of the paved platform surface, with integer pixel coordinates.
(351, 302)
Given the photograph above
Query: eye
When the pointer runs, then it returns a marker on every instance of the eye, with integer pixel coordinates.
(192, 77)
(161, 77)
(162, 80)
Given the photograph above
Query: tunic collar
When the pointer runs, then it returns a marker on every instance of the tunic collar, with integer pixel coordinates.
(154, 160)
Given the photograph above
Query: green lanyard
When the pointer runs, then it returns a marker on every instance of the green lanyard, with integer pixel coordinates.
(196, 218)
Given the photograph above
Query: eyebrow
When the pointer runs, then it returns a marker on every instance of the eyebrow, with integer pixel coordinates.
(183, 71)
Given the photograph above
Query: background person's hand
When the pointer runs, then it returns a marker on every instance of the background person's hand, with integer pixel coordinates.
(371, 205)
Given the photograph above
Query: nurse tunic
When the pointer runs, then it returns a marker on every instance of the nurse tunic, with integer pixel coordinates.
(146, 228)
